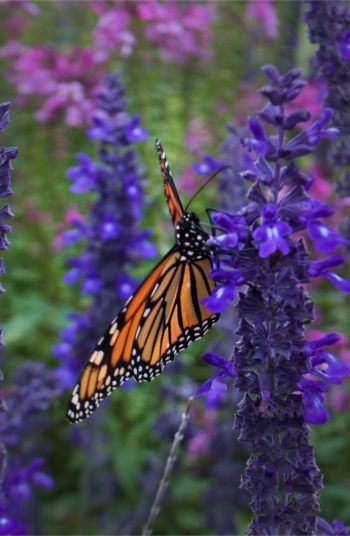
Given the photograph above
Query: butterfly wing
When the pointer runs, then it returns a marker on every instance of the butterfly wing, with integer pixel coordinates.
(160, 320)
(172, 197)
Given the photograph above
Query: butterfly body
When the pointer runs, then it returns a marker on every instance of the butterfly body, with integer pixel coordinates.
(162, 318)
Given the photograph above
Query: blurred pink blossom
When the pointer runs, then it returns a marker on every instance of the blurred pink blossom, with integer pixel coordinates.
(338, 399)
(321, 188)
(181, 30)
(197, 136)
(265, 14)
(34, 214)
(199, 444)
(112, 33)
(188, 182)
(69, 81)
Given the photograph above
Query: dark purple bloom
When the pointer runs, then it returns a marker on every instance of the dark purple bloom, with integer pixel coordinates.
(283, 379)
(328, 23)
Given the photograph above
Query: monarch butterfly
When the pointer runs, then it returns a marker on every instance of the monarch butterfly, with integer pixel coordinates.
(161, 319)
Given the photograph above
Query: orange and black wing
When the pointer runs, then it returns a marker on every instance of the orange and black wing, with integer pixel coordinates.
(160, 320)
(172, 197)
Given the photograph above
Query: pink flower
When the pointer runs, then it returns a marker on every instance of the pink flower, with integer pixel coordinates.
(338, 399)
(264, 12)
(197, 136)
(181, 30)
(112, 33)
(69, 81)
(321, 188)
(188, 181)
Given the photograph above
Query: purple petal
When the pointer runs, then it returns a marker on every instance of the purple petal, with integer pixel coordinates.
(208, 165)
(339, 282)
(317, 267)
(327, 340)
(324, 238)
(221, 298)
(257, 129)
(218, 361)
(335, 370)
(228, 241)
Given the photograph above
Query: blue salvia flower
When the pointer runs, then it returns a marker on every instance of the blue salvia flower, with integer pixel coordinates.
(114, 241)
(283, 378)
(6, 155)
(33, 388)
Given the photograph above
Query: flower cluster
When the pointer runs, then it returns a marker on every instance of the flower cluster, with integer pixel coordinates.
(33, 388)
(181, 31)
(114, 241)
(328, 24)
(67, 80)
(23, 406)
(265, 267)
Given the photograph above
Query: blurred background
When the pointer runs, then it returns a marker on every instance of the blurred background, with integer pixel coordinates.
(189, 69)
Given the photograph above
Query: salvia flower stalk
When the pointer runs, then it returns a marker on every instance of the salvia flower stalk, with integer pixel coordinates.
(264, 267)
(114, 240)
(23, 412)
(329, 27)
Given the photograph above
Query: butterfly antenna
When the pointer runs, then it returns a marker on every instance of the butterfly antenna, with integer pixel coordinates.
(206, 183)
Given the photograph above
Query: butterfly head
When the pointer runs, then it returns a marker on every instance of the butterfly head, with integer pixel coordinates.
(190, 235)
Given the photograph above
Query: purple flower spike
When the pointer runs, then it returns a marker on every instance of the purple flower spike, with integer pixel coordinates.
(344, 45)
(276, 369)
(113, 240)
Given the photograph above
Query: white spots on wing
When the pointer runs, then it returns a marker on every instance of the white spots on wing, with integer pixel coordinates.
(113, 328)
(114, 337)
(96, 357)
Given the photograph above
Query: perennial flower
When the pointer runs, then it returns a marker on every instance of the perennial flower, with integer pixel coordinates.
(283, 378)
(113, 238)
